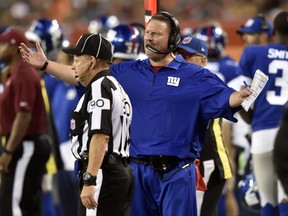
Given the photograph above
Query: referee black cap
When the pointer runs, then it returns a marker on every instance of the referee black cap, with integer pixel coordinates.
(92, 44)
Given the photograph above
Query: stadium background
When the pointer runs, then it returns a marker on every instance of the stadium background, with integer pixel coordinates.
(75, 15)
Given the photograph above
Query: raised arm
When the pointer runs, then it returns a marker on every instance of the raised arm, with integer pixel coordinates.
(37, 59)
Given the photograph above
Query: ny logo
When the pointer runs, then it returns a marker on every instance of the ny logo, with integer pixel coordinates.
(173, 81)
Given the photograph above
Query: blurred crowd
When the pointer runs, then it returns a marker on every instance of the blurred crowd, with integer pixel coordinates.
(75, 15)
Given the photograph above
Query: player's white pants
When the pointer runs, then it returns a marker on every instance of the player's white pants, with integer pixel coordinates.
(262, 159)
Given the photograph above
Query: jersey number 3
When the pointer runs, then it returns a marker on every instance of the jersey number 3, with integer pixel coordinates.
(280, 82)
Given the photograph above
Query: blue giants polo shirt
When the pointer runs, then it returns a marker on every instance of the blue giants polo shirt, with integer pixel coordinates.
(171, 107)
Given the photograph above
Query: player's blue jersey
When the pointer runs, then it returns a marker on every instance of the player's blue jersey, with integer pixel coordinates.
(224, 68)
(64, 101)
(273, 61)
(175, 93)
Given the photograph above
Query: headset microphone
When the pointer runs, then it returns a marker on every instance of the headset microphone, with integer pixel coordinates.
(152, 49)
(82, 74)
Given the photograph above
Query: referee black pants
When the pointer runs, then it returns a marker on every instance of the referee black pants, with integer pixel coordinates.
(115, 193)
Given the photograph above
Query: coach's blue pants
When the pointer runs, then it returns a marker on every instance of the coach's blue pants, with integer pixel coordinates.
(174, 195)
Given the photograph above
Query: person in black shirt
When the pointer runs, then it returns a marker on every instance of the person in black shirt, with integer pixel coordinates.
(280, 151)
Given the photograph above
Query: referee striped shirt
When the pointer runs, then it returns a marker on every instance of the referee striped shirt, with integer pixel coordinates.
(104, 108)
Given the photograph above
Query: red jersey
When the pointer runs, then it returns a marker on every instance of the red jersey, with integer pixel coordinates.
(22, 92)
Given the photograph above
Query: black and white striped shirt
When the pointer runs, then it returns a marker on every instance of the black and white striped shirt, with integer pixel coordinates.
(104, 108)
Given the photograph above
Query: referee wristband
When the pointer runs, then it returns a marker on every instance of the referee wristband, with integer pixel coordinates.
(89, 182)
(44, 65)
(8, 151)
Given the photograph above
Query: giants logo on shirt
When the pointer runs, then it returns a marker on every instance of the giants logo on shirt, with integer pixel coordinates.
(173, 81)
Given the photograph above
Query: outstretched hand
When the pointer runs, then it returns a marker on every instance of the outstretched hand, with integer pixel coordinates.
(237, 98)
(34, 58)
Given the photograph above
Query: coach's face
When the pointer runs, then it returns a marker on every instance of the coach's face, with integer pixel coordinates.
(156, 35)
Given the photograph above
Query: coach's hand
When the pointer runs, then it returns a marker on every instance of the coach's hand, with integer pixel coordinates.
(87, 197)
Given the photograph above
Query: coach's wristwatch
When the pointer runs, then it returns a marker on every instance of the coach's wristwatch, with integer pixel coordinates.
(89, 179)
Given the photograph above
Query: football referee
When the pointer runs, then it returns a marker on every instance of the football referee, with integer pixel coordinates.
(100, 131)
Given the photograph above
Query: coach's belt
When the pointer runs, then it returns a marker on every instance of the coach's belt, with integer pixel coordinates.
(160, 163)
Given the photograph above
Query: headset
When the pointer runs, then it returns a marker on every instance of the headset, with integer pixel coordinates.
(175, 36)
(264, 24)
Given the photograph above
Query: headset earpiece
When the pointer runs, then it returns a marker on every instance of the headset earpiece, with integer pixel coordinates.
(175, 36)
(264, 24)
